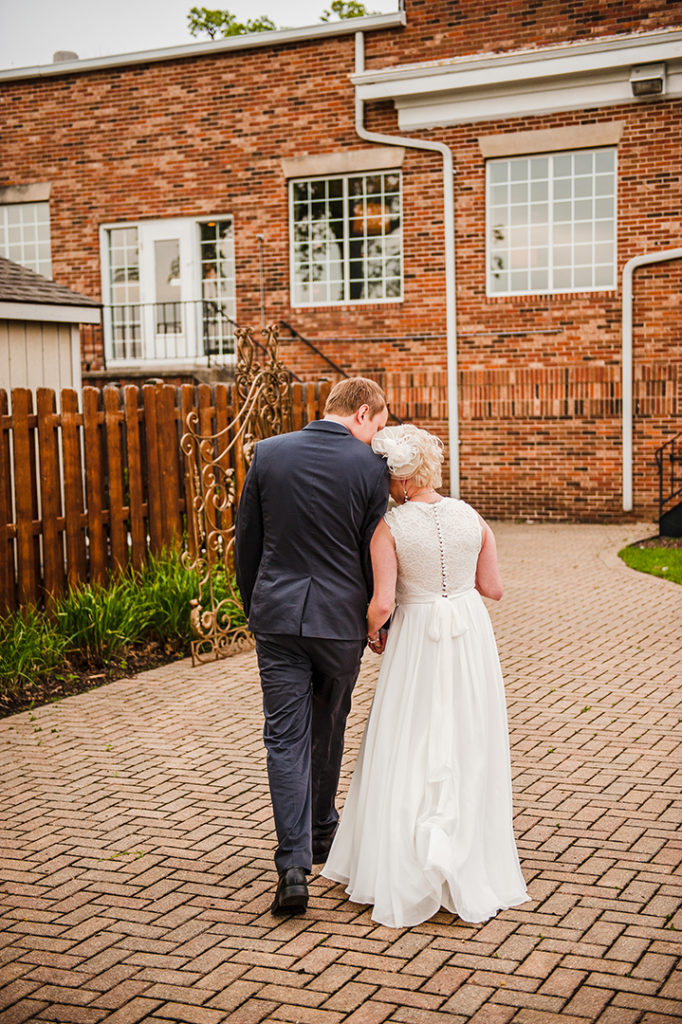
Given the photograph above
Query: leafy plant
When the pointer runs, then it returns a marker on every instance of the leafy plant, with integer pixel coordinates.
(222, 22)
(29, 645)
(99, 624)
(203, 19)
(346, 9)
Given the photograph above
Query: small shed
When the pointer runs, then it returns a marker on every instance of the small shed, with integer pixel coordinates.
(39, 330)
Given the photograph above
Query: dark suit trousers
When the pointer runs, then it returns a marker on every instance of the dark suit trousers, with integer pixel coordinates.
(307, 686)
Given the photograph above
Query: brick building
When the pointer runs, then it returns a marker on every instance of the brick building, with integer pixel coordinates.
(485, 200)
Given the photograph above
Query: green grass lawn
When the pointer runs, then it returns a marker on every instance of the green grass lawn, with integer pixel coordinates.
(663, 562)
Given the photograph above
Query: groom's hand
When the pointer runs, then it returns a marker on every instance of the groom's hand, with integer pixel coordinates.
(377, 641)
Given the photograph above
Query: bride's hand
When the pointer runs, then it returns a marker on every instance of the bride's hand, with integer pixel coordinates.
(377, 641)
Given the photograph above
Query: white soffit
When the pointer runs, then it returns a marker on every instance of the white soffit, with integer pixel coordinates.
(526, 82)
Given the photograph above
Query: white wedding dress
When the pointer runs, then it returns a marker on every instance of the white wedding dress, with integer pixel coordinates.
(427, 822)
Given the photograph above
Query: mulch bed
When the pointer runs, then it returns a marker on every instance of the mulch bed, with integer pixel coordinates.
(658, 542)
(84, 676)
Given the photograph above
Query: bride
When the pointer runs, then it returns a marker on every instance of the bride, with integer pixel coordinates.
(428, 817)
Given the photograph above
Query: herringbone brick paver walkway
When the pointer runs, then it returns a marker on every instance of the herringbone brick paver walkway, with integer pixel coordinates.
(136, 841)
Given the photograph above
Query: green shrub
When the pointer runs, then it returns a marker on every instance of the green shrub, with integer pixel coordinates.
(96, 624)
(98, 620)
(29, 646)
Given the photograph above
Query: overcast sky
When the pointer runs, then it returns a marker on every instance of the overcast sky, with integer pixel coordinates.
(31, 30)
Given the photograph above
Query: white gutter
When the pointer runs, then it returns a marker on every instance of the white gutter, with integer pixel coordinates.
(628, 271)
(251, 40)
(449, 230)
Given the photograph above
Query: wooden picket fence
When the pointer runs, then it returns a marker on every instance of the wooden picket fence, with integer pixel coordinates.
(91, 488)
(91, 483)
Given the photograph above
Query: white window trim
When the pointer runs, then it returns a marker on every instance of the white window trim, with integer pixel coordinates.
(550, 291)
(350, 303)
(23, 196)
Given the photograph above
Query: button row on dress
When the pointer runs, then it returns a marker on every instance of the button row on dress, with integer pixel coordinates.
(441, 546)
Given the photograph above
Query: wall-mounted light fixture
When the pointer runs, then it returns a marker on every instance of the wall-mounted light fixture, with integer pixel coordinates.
(648, 80)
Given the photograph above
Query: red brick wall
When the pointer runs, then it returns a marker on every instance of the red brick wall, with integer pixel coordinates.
(452, 28)
(204, 136)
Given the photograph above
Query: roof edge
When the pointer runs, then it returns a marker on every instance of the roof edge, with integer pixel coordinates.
(278, 37)
(48, 312)
(501, 58)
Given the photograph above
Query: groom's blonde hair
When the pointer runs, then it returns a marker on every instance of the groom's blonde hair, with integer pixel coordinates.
(348, 395)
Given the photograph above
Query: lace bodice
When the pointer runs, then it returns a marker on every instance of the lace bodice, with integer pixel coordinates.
(437, 547)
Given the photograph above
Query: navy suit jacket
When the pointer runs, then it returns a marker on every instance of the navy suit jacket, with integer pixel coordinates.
(309, 506)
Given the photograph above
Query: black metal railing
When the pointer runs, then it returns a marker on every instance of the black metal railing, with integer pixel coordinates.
(669, 462)
(330, 362)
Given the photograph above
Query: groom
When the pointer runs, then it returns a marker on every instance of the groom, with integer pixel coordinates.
(310, 503)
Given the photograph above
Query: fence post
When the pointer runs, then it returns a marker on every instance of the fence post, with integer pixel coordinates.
(135, 489)
(113, 429)
(150, 400)
(50, 492)
(25, 495)
(7, 566)
(74, 517)
(94, 484)
(168, 448)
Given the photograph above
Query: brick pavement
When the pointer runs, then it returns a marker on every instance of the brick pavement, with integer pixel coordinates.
(136, 847)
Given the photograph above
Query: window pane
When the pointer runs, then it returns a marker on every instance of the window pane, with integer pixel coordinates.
(25, 235)
(539, 167)
(538, 245)
(562, 188)
(538, 280)
(604, 160)
(347, 237)
(538, 191)
(604, 276)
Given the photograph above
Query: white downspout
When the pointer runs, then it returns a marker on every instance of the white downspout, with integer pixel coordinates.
(628, 271)
(449, 225)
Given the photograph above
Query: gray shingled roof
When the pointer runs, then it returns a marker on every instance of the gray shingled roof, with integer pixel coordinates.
(19, 284)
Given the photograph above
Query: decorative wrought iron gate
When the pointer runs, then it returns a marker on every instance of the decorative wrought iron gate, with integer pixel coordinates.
(217, 464)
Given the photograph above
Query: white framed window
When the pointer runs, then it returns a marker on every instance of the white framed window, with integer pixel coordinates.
(551, 222)
(346, 239)
(25, 235)
(170, 289)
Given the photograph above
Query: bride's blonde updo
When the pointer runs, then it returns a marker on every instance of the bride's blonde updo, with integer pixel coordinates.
(411, 453)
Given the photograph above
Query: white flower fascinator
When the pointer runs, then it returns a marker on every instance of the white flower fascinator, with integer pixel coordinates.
(401, 449)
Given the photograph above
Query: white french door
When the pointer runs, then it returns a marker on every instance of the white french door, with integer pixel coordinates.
(170, 288)
(168, 283)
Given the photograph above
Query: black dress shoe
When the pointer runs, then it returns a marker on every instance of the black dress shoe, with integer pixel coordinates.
(292, 892)
(321, 847)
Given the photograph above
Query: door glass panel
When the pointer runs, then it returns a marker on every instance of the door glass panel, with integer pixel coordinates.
(124, 286)
(217, 286)
(167, 272)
